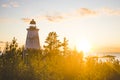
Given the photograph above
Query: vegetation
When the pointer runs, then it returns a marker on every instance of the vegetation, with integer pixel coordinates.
(55, 62)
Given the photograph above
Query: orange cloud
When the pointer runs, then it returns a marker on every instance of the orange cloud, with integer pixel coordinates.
(86, 12)
(82, 12)
(54, 18)
(50, 18)
(72, 15)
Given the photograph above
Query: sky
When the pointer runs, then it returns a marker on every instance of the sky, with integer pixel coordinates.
(97, 21)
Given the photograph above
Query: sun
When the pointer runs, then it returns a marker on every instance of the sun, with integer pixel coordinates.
(83, 45)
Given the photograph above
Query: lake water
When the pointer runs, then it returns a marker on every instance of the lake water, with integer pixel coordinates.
(101, 54)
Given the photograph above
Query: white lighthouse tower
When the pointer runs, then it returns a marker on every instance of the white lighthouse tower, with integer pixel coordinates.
(32, 40)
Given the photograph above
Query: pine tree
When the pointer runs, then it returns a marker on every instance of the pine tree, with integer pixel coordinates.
(52, 43)
(65, 46)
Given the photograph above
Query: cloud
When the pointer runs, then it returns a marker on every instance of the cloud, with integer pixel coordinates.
(54, 18)
(10, 4)
(76, 14)
(26, 20)
(57, 17)
(5, 5)
(49, 17)
(82, 12)
(110, 11)
(86, 12)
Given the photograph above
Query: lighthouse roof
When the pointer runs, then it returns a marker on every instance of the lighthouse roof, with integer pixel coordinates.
(32, 22)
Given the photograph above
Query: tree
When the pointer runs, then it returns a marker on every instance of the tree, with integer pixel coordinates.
(10, 60)
(53, 44)
(65, 46)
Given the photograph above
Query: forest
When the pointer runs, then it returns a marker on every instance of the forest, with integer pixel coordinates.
(54, 62)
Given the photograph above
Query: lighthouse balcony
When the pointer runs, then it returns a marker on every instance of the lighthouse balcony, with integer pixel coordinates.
(32, 28)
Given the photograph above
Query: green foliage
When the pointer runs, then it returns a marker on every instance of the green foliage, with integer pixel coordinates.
(10, 60)
(65, 46)
(53, 45)
(19, 64)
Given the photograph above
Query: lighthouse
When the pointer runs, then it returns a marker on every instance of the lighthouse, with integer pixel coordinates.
(32, 40)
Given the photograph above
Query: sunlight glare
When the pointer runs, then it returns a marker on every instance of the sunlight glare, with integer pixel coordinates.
(83, 45)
